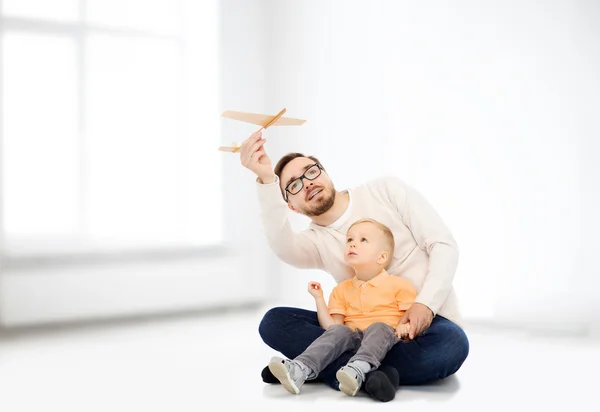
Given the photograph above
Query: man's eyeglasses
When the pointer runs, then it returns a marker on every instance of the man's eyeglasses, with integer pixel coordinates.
(296, 185)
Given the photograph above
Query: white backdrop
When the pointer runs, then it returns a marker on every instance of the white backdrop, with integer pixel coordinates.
(487, 109)
(490, 110)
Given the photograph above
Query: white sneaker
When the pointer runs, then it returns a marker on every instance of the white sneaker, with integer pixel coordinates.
(288, 373)
(350, 380)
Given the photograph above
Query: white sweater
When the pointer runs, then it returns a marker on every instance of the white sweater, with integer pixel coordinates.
(426, 252)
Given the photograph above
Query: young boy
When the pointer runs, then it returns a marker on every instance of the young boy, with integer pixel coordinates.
(364, 314)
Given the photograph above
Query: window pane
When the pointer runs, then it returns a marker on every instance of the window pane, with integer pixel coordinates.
(156, 15)
(137, 157)
(40, 159)
(43, 9)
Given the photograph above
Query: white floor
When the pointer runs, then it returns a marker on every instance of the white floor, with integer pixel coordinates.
(212, 362)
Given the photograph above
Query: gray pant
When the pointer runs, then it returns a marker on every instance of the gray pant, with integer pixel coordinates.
(371, 346)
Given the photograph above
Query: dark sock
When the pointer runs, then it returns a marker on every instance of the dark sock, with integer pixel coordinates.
(392, 374)
(267, 376)
(381, 384)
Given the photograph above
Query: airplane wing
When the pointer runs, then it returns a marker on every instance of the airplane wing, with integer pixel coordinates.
(231, 149)
(261, 119)
(234, 148)
(288, 121)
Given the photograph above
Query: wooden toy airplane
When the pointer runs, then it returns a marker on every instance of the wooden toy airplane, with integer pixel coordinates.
(263, 120)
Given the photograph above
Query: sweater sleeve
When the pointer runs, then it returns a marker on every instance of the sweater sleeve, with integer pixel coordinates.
(294, 248)
(432, 236)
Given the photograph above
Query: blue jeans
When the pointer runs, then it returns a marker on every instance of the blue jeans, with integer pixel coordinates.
(436, 354)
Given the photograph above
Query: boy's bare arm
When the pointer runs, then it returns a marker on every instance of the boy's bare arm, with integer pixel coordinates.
(325, 319)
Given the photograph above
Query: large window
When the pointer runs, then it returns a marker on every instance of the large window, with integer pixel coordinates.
(109, 113)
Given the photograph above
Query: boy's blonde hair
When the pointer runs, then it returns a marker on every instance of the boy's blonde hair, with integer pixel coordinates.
(388, 236)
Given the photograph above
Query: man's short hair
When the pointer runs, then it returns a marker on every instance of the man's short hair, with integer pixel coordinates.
(283, 163)
(389, 236)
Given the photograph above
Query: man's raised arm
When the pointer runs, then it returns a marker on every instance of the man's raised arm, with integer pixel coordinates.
(296, 249)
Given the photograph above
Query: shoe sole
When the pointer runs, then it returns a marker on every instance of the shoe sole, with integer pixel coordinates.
(348, 384)
(279, 370)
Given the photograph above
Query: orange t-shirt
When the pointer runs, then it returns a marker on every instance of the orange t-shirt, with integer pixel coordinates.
(384, 298)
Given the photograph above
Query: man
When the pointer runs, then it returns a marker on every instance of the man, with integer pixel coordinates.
(425, 253)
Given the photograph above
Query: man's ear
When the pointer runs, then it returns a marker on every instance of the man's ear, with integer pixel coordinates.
(383, 256)
(291, 207)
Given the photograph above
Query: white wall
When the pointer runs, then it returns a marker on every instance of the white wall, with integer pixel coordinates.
(33, 294)
(488, 108)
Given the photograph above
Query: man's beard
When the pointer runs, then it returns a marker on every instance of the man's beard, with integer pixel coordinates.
(322, 205)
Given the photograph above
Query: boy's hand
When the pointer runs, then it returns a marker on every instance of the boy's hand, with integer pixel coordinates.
(402, 330)
(314, 288)
(420, 317)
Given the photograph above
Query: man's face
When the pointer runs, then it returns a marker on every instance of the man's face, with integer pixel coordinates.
(316, 196)
(365, 244)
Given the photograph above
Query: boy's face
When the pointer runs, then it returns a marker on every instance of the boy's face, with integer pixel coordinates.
(316, 196)
(365, 245)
